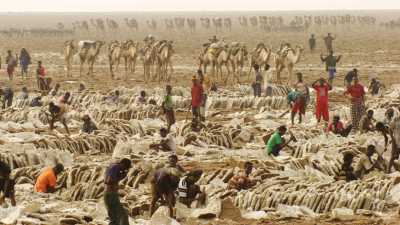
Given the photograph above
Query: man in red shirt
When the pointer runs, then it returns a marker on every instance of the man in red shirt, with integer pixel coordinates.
(321, 106)
(357, 93)
(197, 96)
(42, 82)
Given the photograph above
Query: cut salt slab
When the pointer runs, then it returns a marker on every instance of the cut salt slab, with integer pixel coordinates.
(10, 215)
(160, 217)
(343, 214)
(212, 210)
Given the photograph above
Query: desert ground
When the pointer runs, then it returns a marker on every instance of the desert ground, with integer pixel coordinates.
(236, 122)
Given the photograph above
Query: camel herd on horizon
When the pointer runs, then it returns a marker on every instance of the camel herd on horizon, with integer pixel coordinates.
(191, 24)
(156, 58)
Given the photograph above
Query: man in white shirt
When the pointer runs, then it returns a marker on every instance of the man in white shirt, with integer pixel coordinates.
(167, 143)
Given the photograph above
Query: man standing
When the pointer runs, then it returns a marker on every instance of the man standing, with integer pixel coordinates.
(24, 60)
(356, 92)
(114, 174)
(11, 62)
(312, 42)
(258, 82)
(167, 106)
(297, 104)
(330, 65)
(197, 96)
(47, 180)
(321, 106)
(328, 42)
(206, 84)
(41, 79)
(395, 130)
(389, 131)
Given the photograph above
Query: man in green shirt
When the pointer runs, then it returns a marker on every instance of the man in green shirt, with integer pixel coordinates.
(276, 142)
(330, 65)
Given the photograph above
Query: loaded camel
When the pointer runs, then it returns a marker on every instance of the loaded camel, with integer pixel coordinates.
(287, 58)
(129, 54)
(88, 53)
(164, 55)
(260, 56)
(238, 56)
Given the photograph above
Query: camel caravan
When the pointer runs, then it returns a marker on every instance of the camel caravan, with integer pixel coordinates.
(155, 55)
(232, 57)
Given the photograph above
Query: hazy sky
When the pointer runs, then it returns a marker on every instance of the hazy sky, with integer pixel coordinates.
(198, 5)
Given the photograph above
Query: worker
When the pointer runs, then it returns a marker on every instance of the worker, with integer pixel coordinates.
(188, 190)
(297, 102)
(7, 184)
(337, 127)
(347, 171)
(276, 142)
(114, 174)
(242, 180)
(167, 143)
(47, 180)
(321, 88)
(168, 107)
(197, 95)
(366, 122)
(57, 113)
(88, 125)
(163, 187)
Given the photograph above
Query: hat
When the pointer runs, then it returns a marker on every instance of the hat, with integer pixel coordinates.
(194, 77)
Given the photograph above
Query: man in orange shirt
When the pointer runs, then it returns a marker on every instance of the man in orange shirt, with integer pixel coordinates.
(47, 180)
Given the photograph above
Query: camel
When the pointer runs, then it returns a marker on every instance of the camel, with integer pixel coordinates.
(221, 61)
(130, 54)
(228, 24)
(114, 55)
(191, 24)
(165, 52)
(148, 57)
(152, 24)
(100, 25)
(112, 24)
(206, 59)
(69, 52)
(132, 24)
(169, 24)
(287, 59)
(88, 53)
(238, 56)
(179, 22)
(218, 24)
(260, 56)
(205, 22)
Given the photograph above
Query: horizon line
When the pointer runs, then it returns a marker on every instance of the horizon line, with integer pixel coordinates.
(191, 10)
